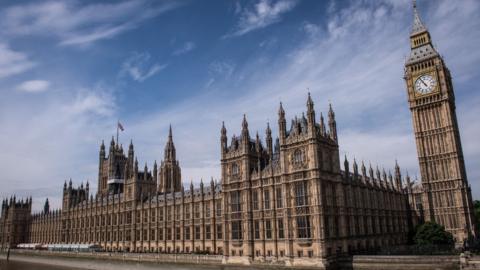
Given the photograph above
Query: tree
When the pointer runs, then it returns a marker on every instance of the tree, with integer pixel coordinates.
(431, 233)
(476, 211)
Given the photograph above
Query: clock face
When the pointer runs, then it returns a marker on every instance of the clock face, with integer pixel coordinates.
(425, 84)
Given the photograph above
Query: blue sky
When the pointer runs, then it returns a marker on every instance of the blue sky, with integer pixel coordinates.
(70, 69)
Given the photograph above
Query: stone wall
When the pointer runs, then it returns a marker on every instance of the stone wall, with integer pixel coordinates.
(354, 262)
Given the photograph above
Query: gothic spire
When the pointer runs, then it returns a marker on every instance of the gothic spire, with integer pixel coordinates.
(355, 167)
(102, 149)
(332, 124)
(418, 25)
(224, 130)
(130, 147)
(245, 134)
(323, 131)
(281, 112)
(310, 112)
(223, 138)
(268, 139)
(46, 207)
(170, 152)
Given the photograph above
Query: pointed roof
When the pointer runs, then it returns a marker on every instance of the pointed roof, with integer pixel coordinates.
(170, 147)
(418, 25)
(424, 50)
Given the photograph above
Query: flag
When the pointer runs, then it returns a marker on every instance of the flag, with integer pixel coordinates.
(120, 126)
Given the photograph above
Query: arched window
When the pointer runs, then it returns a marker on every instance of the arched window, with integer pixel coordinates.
(298, 156)
(235, 169)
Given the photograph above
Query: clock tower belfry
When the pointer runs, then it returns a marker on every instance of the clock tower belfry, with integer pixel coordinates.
(446, 194)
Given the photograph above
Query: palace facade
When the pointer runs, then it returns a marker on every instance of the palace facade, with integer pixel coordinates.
(288, 198)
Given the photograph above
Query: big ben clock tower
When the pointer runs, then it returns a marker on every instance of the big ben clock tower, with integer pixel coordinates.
(446, 193)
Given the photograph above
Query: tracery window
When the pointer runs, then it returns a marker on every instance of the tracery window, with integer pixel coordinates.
(281, 233)
(235, 169)
(301, 197)
(268, 229)
(256, 226)
(298, 157)
(255, 200)
(266, 199)
(303, 227)
(279, 197)
(219, 208)
(237, 230)
(235, 201)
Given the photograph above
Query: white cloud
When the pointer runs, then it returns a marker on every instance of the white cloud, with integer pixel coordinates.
(357, 64)
(54, 142)
(33, 86)
(76, 24)
(13, 62)
(138, 68)
(188, 46)
(219, 70)
(263, 14)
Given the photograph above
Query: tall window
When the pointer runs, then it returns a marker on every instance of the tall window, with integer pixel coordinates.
(187, 233)
(207, 210)
(152, 216)
(219, 208)
(169, 233)
(235, 169)
(187, 212)
(255, 200)
(268, 229)
(208, 232)
(301, 197)
(236, 203)
(303, 227)
(256, 225)
(237, 230)
(177, 212)
(219, 231)
(266, 197)
(298, 157)
(177, 233)
(281, 233)
(197, 232)
(279, 197)
(197, 210)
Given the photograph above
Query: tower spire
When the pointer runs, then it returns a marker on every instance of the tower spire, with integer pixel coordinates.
(332, 124)
(418, 25)
(170, 147)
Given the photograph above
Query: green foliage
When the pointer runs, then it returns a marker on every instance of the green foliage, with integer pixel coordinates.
(476, 211)
(431, 233)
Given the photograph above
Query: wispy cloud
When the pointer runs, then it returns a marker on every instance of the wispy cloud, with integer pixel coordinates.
(13, 62)
(352, 57)
(187, 47)
(356, 63)
(263, 14)
(219, 70)
(76, 24)
(139, 68)
(33, 86)
(55, 140)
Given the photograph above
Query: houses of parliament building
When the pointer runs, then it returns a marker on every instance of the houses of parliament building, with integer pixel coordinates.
(290, 198)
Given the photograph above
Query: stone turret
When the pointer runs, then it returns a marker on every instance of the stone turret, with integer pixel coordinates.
(332, 124)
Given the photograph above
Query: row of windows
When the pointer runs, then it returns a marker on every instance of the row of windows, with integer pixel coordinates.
(303, 228)
(118, 219)
(120, 235)
(301, 197)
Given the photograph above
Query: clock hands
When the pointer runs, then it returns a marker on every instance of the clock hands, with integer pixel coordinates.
(423, 82)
